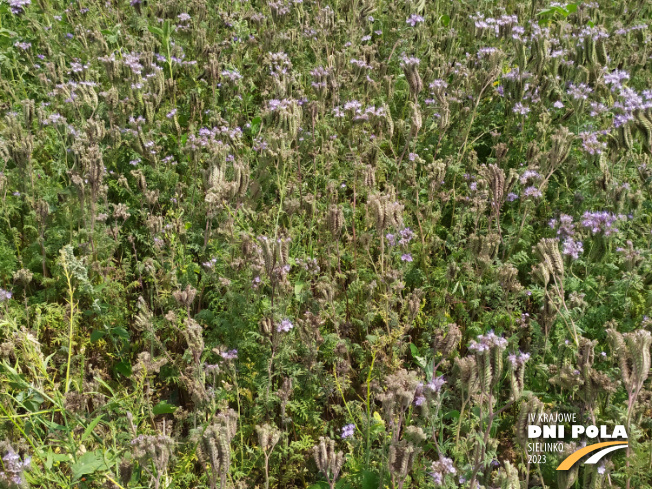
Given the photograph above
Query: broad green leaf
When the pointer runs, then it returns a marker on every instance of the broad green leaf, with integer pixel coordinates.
(88, 463)
(157, 31)
(97, 335)
(164, 407)
(370, 480)
(124, 368)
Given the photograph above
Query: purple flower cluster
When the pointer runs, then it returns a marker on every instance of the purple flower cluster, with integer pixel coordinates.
(566, 226)
(529, 175)
(5, 295)
(406, 236)
(414, 19)
(491, 24)
(358, 113)
(601, 222)
(615, 78)
(590, 143)
(18, 6)
(440, 469)
(436, 383)
(229, 355)
(285, 326)
(14, 467)
(347, 431)
(488, 341)
(532, 192)
(573, 248)
(579, 92)
(518, 359)
(409, 61)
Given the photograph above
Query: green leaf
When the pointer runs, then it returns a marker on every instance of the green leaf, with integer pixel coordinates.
(421, 361)
(123, 368)
(164, 407)
(120, 332)
(97, 335)
(88, 463)
(298, 288)
(167, 29)
(370, 480)
(452, 415)
(319, 485)
(445, 20)
(157, 31)
(89, 429)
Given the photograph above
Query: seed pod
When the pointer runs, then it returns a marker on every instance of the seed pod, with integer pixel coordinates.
(335, 220)
(416, 121)
(601, 49)
(447, 344)
(531, 409)
(266, 326)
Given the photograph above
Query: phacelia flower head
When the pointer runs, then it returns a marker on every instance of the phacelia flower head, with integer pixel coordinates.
(347, 431)
(487, 341)
(285, 326)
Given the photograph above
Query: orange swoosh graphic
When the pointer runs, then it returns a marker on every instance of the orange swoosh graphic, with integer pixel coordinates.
(575, 456)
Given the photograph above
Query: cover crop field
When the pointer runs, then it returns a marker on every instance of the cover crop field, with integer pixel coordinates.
(351, 244)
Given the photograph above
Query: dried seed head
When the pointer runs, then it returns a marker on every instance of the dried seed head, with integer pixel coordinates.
(335, 220)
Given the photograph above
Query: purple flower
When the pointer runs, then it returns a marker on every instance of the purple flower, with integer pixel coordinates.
(441, 468)
(18, 6)
(566, 226)
(602, 221)
(406, 257)
(487, 341)
(616, 78)
(414, 19)
(232, 75)
(229, 355)
(5, 295)
(285, 326)
(518, 360)
(210, 263)
(579, 92)
(171, 114)
(391, 239)
(532, 192)
(558, 105)
(436, 383)
(347, 431)
(590, 143)
(573, 248)
(406, 236)
(529, 175)
(519, 108)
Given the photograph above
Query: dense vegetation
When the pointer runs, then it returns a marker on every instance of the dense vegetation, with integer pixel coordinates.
(336, 243)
